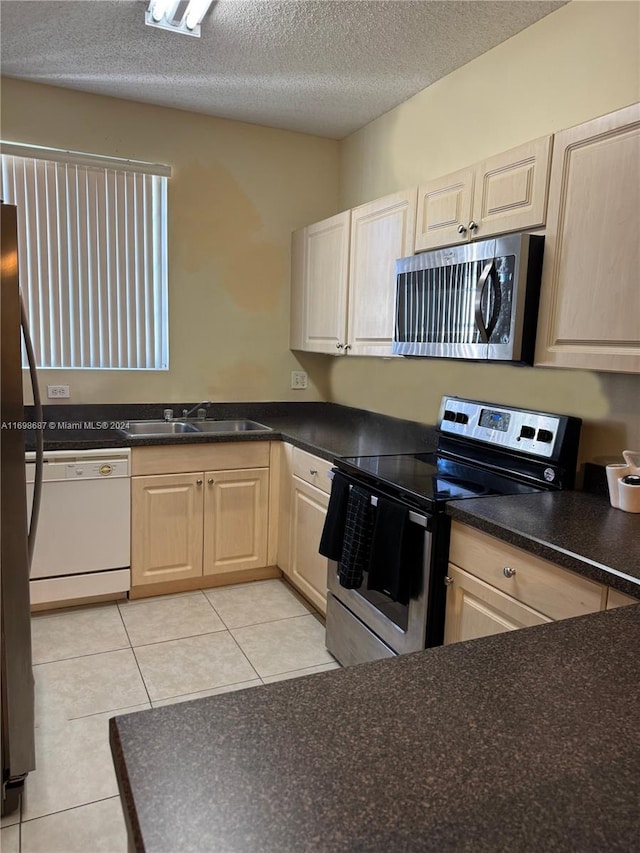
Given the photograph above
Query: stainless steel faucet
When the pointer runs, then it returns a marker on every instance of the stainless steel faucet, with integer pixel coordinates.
(201, 409)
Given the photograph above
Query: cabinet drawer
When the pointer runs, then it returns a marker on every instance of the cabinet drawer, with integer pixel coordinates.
(476, 609)
(219, 456)
(312, 469)
(553, 591)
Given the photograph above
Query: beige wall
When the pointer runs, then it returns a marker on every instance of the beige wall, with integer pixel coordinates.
(236, 194)
(579, 62)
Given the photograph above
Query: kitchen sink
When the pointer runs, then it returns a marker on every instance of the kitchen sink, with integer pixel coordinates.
(152, 429)
(239, 425)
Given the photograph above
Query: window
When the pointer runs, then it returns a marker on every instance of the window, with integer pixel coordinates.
(92, 237)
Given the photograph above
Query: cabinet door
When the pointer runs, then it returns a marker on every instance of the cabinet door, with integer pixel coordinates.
(308, 569)
(236, 510)
(475, 609)
(296, 322)
(619, 599)
(444, 206)
(381, 232)
(324, 289)
(590, 300)
(284, 509)
(166, 527)
(510, 189)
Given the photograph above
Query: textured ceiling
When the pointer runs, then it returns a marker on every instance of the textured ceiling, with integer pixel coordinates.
(326, 67)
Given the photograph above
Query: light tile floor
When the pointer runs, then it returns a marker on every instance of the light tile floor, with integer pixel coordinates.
(91, 663)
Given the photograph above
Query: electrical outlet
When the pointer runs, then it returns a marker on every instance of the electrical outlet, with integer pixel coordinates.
(299, 379)
(57, 392)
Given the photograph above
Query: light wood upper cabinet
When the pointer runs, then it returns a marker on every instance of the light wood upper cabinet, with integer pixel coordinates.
(381, 232)
(236, 512)
(494, 586)
(506, 192)
(320, 269)
(590, 299)
(444, 210)
(343, 277)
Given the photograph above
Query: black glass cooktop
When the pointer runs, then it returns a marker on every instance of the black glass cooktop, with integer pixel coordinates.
(430, 478)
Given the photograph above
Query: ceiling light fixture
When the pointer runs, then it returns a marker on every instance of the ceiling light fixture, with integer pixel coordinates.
(179, 16)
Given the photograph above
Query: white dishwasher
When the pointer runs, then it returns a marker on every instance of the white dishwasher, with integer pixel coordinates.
(84, 532)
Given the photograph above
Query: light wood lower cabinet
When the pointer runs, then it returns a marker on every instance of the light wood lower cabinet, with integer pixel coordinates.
(187, 525)
(494, 586)
(619, 599)
(202, 523)
(476, 609)
(304, 498)
(308, 568)
(166, 528)
(236, 506)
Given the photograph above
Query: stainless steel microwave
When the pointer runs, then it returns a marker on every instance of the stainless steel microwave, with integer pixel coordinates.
(477, 301)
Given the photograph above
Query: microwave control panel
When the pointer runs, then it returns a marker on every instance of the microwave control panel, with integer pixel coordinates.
(527, 432)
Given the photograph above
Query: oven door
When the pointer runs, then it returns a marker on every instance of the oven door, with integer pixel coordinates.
(364, 624)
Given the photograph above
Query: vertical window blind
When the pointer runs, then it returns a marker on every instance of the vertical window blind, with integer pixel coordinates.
(92, 237)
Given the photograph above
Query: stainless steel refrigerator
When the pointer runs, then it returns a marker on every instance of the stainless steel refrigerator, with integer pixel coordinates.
(18, 752)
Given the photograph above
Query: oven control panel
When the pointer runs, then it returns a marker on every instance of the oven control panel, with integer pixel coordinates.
(521, 430)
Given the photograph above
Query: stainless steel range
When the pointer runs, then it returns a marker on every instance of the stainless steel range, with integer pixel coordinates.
(387, 535)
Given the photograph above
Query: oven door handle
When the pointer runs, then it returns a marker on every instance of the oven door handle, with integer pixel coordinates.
(414, 517)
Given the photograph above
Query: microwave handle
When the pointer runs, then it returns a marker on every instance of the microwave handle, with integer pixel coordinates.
(486, 276)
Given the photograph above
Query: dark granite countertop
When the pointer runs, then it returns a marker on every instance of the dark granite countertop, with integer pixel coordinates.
(573, 529)
(576, 530)
(526, 741)
(326, 429)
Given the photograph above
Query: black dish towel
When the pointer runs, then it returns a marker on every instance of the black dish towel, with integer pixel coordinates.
(356, 550)
(333, 531)
(393, 552)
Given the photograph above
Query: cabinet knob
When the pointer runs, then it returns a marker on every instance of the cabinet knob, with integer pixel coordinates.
(347, 347)
(508, 572)
(211, 481)
(339, 346)
(313, 471)
(198, 482)
(462, 229)
(473, 226)
(448, 580)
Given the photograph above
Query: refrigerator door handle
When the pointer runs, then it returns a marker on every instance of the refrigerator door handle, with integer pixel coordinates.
(37, 484)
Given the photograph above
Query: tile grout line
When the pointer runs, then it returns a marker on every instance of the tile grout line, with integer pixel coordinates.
(87, 655)
(179, 695)
(176, 639)
(270, 621)
(71, 808)
(124, 709)
(154, 599)
(210, 603)
(144, 683)
(242, 651)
